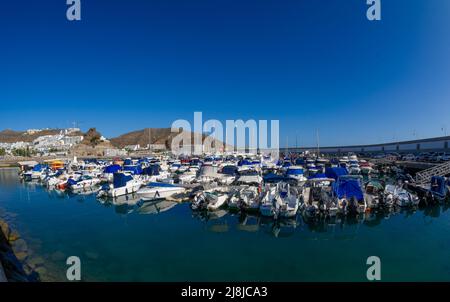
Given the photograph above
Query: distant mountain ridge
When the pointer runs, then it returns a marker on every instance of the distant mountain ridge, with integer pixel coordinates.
(160, 136)
(154, 136)
(12, 136)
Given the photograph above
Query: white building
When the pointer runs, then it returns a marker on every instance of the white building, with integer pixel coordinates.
(132, 147)
(115, 152)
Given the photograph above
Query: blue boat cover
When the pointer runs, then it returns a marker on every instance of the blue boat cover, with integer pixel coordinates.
(349, 188)
(127, 162)
(133, 169)
(438, 185)
(229, 170)
(39, 167)
(244, 162)
(120, 180)
(112, 169)
(335, 172)
(318, 175)
(274, 178)
(151, 170)
(71, 182)
(294, 171)
(299, 161)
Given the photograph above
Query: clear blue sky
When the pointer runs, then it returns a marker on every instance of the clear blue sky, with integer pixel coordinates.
(312, 64)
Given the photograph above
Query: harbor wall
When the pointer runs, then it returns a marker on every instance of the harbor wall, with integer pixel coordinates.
(437, 144)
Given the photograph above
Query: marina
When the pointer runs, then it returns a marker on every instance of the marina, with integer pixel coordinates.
(235, 218)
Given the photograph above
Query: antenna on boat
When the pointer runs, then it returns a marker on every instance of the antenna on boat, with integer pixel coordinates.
(149, 139)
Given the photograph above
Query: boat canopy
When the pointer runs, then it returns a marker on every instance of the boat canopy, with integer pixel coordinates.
(438, 185)
(120, 180)
(335, 172)
(133, 169)
(348, 188)
(112, 169)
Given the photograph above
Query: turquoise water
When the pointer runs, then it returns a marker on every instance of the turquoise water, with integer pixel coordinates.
(166, 242)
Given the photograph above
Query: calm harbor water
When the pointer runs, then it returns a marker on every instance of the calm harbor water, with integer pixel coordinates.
(135, 241)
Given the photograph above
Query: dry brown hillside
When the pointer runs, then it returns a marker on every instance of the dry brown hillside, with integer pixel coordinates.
(11, 136)
(142, 137)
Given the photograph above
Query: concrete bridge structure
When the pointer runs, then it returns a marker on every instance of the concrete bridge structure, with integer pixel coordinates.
(437, 144)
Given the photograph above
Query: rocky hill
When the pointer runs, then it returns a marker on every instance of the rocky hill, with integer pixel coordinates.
(156, 136)
(161, 136)
(12, 136)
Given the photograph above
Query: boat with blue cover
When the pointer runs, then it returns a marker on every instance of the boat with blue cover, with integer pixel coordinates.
(123, 183)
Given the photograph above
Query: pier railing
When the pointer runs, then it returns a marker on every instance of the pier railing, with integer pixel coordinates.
(424, 176)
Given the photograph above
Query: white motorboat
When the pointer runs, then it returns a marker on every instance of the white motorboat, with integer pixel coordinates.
(267, 206)
(250, 198)
(123, 184)
(400, 197)
(84, 182)
(296, 172)
(286, 200)
(209, 200)
(159, 190)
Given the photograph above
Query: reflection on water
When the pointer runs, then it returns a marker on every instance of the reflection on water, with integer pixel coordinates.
(126, 239)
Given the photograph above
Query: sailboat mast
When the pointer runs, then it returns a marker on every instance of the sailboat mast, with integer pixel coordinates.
(318, 148)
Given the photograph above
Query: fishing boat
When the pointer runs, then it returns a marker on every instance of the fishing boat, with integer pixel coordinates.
(245, 198)
(267, 205)
(316, 197)
(438, 189)
(174, 167)
(365, 167)
(209, 200)
(399, 196)
(296, 172)
(159, 190)
(35, 173)
(108, 172)
(348, 193)
(84, 182)
(188, 176)
(248, 178)
(353, 167)
(123, 184)
(287, 201)
(373, 190)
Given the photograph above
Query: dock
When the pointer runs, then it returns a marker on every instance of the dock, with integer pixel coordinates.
(416, 165)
